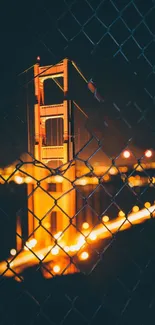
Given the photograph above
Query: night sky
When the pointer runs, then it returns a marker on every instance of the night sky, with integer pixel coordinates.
(29, 29)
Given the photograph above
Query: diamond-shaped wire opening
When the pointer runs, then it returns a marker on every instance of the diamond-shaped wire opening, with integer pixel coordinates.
(142, 29)
(116, 27)
(148, 52)
(131, 49)
(51, 305)
(129, 11)
(149, 86)
(87, 150)
(82, 170)
(85, 218)
(95, 29)
(86, 13)
(100, 160)
(150, 20)
(108, 45)
(107, 13)
(68, 33)
(85, 258)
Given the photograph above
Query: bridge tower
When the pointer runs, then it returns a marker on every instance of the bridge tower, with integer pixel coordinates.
(42, 207)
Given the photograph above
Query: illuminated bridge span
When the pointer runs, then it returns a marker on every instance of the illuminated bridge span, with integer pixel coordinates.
(57, 256)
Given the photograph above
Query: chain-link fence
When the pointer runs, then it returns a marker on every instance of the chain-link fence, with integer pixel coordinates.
(77, 205)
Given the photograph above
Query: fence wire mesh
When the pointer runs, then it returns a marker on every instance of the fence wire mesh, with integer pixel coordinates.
(77, 238)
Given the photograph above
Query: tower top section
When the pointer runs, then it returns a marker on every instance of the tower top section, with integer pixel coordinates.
(42, 73)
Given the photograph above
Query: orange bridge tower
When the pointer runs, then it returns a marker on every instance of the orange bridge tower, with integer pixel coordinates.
(51, 205)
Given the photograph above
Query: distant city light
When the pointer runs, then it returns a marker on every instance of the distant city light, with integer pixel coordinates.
(13, 251)
(126, 154)
(148, 153)
(105, 219)
(84, 256)
(56, 268)
(106, 177)
(85, 225)
(123, 169)
(113, 170)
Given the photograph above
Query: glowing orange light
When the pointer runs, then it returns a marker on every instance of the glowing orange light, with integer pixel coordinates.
(126, 154)
(47, 225)
(147, 205)
(106, 177)
(148, 153)
(85, 225)
(135, 208)
(56, 268)
(83, 181)
(58, 179)
(121, 214)
(28, 179)
(55, 250)
(113, 171)
(105, 219)
(93, 236)
(123, 169)
(84, 255)
(18, 179)
(13, 252)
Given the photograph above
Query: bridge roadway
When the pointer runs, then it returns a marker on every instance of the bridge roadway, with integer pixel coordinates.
(32, 256)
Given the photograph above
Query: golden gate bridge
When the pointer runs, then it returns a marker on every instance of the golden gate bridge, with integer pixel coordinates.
(51, 178)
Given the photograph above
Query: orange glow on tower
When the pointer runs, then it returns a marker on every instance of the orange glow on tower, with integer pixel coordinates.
(44, 198)
(126, 154)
